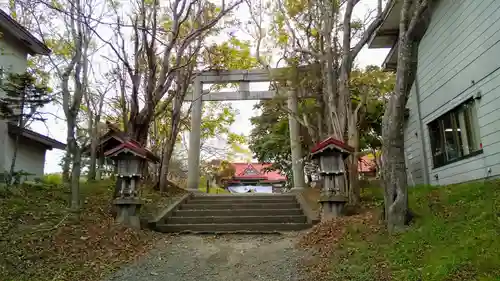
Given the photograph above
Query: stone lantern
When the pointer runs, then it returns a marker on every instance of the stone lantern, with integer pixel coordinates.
(330, 154)
(129, 158)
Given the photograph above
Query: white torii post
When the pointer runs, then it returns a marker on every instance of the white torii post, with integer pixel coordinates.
(194, 138)
(295, 144)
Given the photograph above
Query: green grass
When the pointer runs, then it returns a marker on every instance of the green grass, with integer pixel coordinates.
(54, 179)
(202, 186)
(213, 190)
(455, 236)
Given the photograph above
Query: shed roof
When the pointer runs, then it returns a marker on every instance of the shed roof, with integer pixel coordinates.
(115, 141)
(11, 26)
(34, 136)
(134, 148)
(332, 143)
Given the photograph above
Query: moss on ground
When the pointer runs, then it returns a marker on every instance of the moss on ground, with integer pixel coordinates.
(40, 239)
(455, 236)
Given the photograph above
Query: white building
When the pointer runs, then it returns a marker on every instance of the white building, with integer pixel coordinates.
(15, 45)
(452, 133)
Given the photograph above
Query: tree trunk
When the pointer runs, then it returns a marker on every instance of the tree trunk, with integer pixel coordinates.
(75, 179)
(72, 151)
(66, 167)
(140, 133)
(169, 145)
(320, 120)
(394, 170)
(16, 143)
(100, 167)
(93, 154)
(12, 171)
(354, 188)
(167, 155)
(393, 159)
(377, 161)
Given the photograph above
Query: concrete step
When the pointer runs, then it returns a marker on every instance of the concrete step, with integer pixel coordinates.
(237, 219)
(201, 200)
(239, 206)
(232, 227)
(238, 212)
(246, 196)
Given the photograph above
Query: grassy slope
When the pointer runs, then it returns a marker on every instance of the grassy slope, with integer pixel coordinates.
(202, 186)
(41, 240)
(456, 236)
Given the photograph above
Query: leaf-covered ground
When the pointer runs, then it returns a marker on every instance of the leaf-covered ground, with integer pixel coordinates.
(455, 236)
(41, 240)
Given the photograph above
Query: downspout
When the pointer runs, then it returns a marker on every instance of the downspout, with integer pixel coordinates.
(425, 166)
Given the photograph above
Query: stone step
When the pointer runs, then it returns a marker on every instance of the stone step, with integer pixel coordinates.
(237, 212)
(201, 200)
(239, 206)
(247, 196)
(237, 219)
(232, 227)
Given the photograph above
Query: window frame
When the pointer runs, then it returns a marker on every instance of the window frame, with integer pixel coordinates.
(474, 133)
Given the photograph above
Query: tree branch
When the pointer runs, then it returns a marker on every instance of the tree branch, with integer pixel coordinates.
(372, 28)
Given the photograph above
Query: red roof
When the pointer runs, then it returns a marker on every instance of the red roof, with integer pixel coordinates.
(366, 164)
(134, 147)
(115, 141)
(332, 143)
(242, 169)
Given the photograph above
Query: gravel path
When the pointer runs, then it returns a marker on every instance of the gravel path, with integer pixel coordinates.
(214, 258)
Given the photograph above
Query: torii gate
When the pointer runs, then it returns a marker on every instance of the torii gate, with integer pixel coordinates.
(243, 77)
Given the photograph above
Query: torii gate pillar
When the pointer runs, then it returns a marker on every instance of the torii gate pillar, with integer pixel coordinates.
(295, 143)
(194, 138)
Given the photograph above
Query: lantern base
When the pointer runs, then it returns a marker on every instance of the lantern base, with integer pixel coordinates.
(332, 206)
(128, 211)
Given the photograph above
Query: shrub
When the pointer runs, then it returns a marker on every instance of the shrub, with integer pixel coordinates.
(52, 179)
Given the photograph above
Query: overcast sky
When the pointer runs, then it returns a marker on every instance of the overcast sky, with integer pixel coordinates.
(55, 127)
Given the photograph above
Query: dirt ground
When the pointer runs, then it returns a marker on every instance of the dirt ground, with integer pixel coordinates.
(225, 257)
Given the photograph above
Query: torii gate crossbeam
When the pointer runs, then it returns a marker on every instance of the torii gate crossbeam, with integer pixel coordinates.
(243, 77)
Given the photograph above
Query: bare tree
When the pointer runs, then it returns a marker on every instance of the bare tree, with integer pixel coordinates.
(411, 28)
(156, 58)
(70, 62)
(161, 59)
(94, 102)
(79, 67)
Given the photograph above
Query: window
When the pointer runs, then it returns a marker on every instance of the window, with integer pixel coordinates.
(455, 135)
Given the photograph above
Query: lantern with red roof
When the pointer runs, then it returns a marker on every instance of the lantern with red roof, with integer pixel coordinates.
(130, 158)
(331, 153)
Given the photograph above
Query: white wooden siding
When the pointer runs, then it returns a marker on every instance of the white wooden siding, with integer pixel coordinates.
(30, 156)
(13, 58)
(459, 56)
